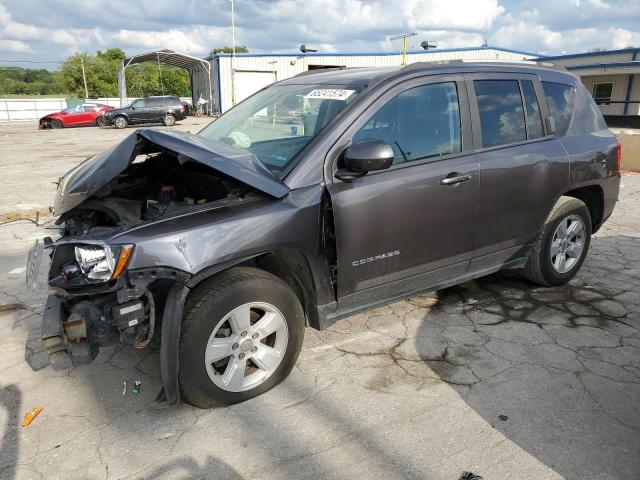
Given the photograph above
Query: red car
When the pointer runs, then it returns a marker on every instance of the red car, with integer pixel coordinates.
(75, 116)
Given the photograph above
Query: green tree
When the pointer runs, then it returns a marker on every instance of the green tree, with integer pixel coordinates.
(142, 79)
(239, 49)
(17, 80)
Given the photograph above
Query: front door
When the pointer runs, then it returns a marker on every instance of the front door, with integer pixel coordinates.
(138, 111)
(411, 226)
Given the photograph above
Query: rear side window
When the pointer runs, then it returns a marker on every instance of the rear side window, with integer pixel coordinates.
(501, 112)
(534, 119)
(419, 123)
(154, 103)
(561, 100)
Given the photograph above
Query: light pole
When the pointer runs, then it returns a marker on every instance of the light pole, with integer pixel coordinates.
(233, 55)
(84, 79)
(404, 37)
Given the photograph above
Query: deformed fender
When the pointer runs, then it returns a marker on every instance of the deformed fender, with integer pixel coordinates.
(170, 342)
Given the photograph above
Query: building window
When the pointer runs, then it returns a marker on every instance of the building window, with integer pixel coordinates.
(602, 92)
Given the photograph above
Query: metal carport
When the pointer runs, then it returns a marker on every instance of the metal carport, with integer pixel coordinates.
(199, 72)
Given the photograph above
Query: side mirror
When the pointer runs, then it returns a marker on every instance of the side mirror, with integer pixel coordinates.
(132, 107)
(551, 124)
(365, 156)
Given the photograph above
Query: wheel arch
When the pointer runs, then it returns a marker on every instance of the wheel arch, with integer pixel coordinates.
(289, 264)
(593, 197)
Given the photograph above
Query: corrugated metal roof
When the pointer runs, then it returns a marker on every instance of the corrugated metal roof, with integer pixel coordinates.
(169, 57)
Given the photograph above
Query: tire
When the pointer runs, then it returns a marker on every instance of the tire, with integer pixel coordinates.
(100, 121)
(208, 309)
(545, 268)
(169, 120)
(120, 122)
(55, 123)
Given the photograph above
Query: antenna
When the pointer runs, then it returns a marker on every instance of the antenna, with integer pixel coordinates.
(404, 37)
(485, 30)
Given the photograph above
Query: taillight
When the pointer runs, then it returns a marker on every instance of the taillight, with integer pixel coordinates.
(619, 157)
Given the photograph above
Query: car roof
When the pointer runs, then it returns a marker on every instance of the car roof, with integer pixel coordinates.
(363, 76)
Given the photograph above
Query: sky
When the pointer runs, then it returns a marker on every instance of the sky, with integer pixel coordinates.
(41, 31)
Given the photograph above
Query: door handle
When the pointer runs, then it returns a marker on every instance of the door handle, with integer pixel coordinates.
(455, 178)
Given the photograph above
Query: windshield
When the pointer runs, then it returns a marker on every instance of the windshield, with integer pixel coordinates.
(276, 123)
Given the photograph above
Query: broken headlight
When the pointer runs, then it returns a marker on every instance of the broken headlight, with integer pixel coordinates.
(102, 263)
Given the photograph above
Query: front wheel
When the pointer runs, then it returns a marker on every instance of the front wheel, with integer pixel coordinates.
(120, 122)
(562, 245)
(55, 123)
(241, 335)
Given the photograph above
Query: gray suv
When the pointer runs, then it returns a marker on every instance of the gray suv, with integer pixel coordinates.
(318, 197)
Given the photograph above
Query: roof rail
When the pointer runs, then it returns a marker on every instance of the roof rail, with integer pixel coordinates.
(532, 61)
(318, 70)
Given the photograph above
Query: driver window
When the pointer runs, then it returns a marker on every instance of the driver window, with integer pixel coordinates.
(419, 123)
(138, 103)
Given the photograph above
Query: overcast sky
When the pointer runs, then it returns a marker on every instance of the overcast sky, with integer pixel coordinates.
(50, 30)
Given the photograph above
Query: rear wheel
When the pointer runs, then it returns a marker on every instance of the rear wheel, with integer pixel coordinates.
(120, 122)
(169, 120)
(241, 335)
(562, 245)
(55, 123)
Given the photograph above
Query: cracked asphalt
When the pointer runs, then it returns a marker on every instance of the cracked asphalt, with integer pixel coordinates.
(495, 376)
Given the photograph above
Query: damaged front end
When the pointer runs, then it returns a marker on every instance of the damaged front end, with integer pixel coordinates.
(149, 178)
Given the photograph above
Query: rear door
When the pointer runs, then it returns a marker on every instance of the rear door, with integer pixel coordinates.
(408, 227)
(522, 169)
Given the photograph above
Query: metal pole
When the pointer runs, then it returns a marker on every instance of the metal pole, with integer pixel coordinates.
(233, 55)
(6, 105)
(84, 79)
(404, 44)
(404, 50)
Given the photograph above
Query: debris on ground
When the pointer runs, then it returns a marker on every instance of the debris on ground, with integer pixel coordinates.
(137, 387)
(469, 476)
(30, 417)
(11, 307)
(504, 418)
(124, 390)
(32, 216)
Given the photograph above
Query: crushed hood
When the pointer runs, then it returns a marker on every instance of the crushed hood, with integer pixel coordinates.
(86, 179)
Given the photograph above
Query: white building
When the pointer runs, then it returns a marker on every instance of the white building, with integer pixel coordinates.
(235, 78)
(612, 77)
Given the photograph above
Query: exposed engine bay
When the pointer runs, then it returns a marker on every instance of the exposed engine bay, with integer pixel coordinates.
(151, 175)
(155, 185)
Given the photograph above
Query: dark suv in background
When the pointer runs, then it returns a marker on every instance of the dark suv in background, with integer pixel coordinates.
(161, 109)
(318, 197)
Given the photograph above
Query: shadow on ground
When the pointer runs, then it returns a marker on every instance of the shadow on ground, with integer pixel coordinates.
(556, 370)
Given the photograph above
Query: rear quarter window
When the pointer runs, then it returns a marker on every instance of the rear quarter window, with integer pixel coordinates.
(561, 101)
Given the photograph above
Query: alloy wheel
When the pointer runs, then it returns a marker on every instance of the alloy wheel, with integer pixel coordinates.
(246, 347)
(567, 243)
